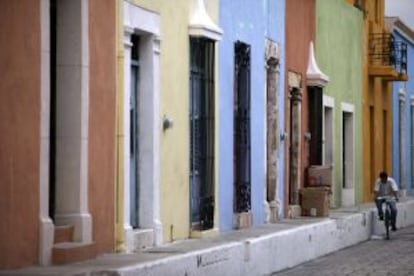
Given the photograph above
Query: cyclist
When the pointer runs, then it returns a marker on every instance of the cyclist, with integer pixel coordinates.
(386, 186)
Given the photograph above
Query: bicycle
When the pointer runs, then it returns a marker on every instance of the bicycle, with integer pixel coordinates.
(387, 212)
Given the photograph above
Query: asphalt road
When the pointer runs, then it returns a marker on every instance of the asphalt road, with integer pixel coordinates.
(375, 257)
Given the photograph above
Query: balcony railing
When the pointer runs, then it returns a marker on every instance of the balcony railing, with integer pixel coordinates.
(384, 50)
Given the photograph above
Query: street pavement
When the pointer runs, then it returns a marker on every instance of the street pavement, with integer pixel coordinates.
(375, 257)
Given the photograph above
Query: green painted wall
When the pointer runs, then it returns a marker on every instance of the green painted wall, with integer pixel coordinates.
(339, 34)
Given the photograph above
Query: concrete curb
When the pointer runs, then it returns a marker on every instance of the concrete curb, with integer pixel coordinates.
(275, 248)
(280, 250)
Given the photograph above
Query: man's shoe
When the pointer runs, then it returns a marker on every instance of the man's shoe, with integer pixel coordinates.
(381, 217)
(393, 228)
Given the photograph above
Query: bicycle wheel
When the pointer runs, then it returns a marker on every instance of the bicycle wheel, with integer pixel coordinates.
(387, 222)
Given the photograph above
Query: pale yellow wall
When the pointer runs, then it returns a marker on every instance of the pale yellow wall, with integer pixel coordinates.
(174, 103)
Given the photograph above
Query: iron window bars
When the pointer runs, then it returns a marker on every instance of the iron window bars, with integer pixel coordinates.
(242, 148)
(202, 133)
(384, 50)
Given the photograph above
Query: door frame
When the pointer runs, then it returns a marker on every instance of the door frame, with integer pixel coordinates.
(348, 144)
(146, 24)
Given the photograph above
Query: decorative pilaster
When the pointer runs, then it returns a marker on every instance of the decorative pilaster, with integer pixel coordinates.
(72, 119)
(295, 155)
(273, 136)
(46, 227)
(402, 146)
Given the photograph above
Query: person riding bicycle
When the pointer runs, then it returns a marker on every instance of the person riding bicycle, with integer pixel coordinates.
(386, 186)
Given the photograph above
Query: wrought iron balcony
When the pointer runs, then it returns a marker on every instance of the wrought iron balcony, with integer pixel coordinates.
(387, 57)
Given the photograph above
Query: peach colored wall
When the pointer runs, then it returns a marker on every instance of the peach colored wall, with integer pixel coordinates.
(102, 54)
(300, 30)
(19, 129)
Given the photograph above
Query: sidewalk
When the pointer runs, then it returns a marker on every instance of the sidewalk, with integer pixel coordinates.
(257, 251)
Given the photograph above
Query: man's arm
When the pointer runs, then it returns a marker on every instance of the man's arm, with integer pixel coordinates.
(376, 189)
(394, 188)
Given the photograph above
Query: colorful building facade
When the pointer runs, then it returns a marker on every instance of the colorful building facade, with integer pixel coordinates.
(249, 114)
(403, 110)
(380, 70)
(132, 123)
(58, 120)
(339, 51)
(304, 83)
(169, 183)
(138, 127)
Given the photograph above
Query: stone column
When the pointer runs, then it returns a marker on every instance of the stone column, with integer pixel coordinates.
(72, 117)
(273, 136)
(128, 31)
(46, 227)
(402, 146)
(412, 139)
(295, 155)
(149, 123)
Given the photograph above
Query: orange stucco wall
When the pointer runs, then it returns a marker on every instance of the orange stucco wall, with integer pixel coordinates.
(300, 30)
(102, 108)
(19, 129)
(376, 107)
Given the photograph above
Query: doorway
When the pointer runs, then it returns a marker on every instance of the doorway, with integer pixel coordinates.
(52, 125)
(134, 133)
(348, 190)
(69, 116)
(328, 141)
(328, 136)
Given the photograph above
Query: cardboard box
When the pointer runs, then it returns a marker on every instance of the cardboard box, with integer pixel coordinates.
(319, 176)
(315, 201)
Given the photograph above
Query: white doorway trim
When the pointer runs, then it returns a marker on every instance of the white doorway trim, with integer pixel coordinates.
(146, 24)
(72, 121)
(46, 227)
(328, 147)
(328, 130)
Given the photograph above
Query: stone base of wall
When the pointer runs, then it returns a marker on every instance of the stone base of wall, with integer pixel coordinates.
(243, 220)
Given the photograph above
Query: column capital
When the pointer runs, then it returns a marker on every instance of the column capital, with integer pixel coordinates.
(128, 31)
(296, 94)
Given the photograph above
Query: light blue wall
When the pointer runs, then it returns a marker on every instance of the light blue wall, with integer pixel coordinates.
(409, 88)
(245, 20)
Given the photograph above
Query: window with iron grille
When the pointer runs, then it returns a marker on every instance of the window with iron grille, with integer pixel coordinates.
(202, 133)
(315, 110)
(242, 177)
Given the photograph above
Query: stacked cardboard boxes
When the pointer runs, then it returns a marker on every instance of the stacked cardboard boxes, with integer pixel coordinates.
(315, 201)
(319, 176)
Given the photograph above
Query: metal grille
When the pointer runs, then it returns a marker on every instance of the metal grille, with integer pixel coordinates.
(202, 133)
(242, 177)
(384, 50)
(315, 104)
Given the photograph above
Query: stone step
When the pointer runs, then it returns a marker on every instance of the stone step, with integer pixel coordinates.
(63, 233)
(69, 252)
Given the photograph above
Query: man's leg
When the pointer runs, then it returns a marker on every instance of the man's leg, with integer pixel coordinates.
(378, 202)
(393, 216)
